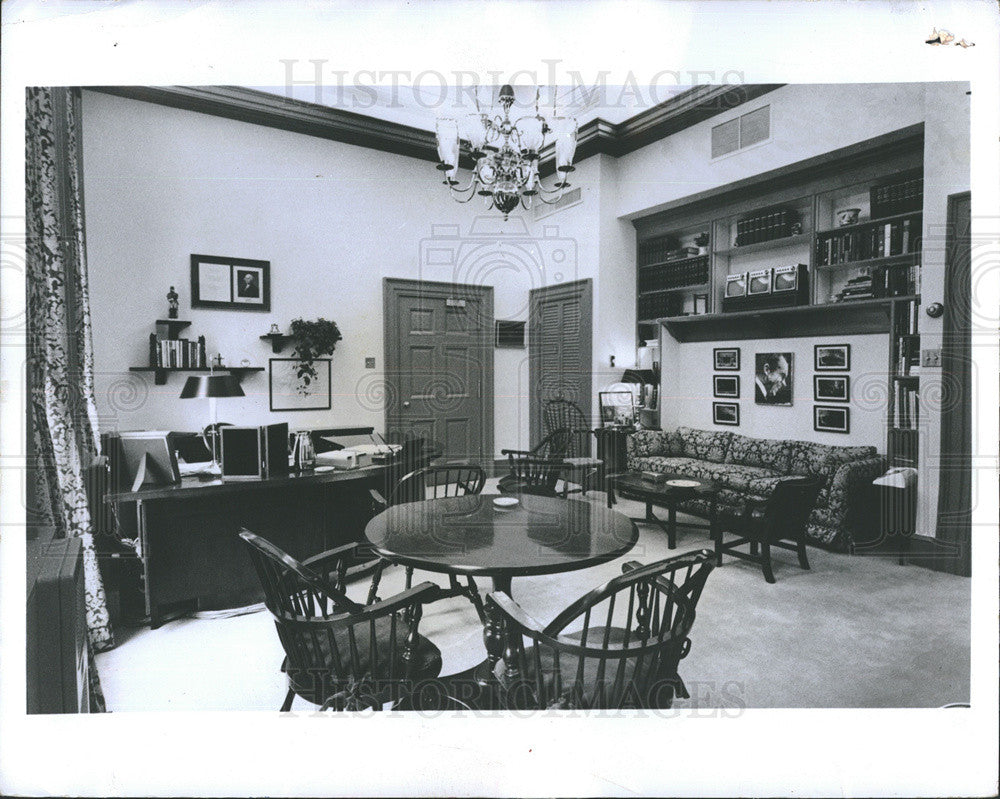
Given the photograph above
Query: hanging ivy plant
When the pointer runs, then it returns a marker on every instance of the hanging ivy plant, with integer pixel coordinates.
(315, 339)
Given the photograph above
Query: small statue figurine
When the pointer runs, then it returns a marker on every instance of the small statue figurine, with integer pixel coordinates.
(172, 298)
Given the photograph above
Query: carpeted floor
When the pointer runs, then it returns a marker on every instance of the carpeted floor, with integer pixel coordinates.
(852, 632)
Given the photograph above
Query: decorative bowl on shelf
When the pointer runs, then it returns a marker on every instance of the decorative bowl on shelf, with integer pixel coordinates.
(847, 216)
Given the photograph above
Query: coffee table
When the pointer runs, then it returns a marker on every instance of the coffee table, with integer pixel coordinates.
(677, 488)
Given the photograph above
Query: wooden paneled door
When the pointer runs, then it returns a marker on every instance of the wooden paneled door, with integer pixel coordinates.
(559, 341)
(439, 365)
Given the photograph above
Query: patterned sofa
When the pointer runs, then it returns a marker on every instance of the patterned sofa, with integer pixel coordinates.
(751, 467)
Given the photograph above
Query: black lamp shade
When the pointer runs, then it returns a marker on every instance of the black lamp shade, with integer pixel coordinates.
(640, 376)
(211, 386)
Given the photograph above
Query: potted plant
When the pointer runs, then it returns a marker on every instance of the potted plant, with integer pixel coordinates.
(312, 339)
(701, 242)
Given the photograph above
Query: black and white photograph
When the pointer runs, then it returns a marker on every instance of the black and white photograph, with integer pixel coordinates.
(831, 419)
(726, 386)
(356, 368)
(726, 359)
(773, 378)
(832, 357)
(240, 284)
(831, 388)
(727, 413)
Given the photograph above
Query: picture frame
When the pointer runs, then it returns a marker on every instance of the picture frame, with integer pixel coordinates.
(727, 413)
(617, 407)
(286, 392)
(727, 386)
(831, 388)
(726, 359)
(831, 419)
(236, 284)
(773, 378)
(832, 357)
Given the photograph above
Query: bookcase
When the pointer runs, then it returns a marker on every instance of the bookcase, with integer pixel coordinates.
(170, 352)
(827, 246)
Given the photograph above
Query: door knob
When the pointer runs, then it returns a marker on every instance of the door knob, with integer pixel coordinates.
(406, 404)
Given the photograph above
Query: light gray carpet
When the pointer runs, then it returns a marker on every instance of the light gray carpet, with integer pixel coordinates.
(852, 632)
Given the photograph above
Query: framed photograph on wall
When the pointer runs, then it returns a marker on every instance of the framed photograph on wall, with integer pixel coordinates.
(726, 413)
(287, 393)
(727, 359)
(726, 386)
(832, 357)
(238, 284)
(831, 388)
(831, 419)
(773, 378)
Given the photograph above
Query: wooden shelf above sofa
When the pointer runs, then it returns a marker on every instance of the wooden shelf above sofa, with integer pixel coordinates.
(862, 316)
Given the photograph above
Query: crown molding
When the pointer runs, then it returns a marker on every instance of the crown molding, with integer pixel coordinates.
(594, 137)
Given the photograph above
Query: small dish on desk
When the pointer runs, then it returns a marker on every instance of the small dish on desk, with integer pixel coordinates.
(505, 503)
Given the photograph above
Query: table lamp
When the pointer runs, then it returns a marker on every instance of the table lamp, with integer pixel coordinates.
(212, 386)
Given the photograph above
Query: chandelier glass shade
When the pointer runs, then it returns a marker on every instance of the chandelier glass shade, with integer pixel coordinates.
(506, 155)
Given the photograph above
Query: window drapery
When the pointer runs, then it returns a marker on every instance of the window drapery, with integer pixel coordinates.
(60, 368)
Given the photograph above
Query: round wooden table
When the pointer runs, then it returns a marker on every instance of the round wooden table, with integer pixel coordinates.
(470, 535)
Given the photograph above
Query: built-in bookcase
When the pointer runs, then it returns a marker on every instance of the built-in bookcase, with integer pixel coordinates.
(848, 225)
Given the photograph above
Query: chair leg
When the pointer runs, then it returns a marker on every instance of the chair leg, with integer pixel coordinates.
(803, 560)
(754, 548)
(718, 547)
(409, 577)
(765, 562)
(287, 704)
(376, 577)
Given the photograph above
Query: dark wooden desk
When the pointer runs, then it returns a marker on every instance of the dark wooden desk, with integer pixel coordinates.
(188, 545)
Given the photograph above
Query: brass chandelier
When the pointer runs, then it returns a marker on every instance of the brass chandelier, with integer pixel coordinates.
(506, 154)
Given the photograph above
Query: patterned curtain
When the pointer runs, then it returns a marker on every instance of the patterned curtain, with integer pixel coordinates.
(60, 355)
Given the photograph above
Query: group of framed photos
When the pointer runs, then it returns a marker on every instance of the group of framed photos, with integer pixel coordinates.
(726, 359)
(831, 388)
(773, 384)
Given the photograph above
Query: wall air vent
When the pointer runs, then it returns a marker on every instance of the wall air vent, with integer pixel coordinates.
(571, 197)
(742, 132)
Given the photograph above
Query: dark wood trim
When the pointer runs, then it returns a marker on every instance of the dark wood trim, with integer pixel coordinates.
(800, 175)
(594, 137)
(392, 285)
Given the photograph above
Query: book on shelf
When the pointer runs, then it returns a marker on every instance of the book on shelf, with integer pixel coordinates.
(868, 241)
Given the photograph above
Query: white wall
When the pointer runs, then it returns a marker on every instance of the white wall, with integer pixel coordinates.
(333, 220)
(687, 389)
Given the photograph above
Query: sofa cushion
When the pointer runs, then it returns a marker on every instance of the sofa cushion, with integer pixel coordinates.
(807, 457)
(752, 480)
(707, 445)
(771, 453)
(643, 443)
(667, 465)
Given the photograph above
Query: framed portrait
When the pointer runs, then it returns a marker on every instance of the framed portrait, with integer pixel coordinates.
(773, 378)
(832, 357)
(727, 359)
(726, 413)
(287, 392)
(239, 284)
(831, 419)
(831, 388)
(726, 386)
(617, 407)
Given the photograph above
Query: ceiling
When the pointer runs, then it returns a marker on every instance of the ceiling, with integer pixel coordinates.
(420, 107)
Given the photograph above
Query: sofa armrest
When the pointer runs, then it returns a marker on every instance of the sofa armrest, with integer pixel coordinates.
(850, 493)
(644, 443)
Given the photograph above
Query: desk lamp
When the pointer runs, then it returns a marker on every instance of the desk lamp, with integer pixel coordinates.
(212, 386)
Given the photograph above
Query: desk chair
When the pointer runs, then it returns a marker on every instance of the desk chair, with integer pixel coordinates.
(777, 521)
(569, 433)
(435, 482)
(339, 654)
(530, 474)
(619, 646)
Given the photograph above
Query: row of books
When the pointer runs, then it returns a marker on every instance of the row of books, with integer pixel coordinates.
(655, 251)
(765, 227)
(688, 272)
(906, 413)
(889, 280)
(897, 198)
(180, 353)
(908, 355)
(869, 241)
